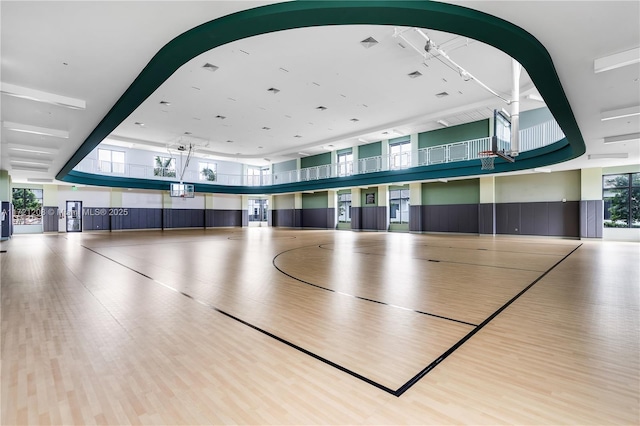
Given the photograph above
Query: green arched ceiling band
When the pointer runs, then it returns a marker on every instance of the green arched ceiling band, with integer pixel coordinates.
(489, 29)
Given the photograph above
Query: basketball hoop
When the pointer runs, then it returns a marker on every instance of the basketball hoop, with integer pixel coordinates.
(486, 158)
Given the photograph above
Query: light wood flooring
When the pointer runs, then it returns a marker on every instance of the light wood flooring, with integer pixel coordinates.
(273, 326)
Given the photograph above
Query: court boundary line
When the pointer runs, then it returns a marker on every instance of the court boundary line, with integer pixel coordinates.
(254, 327)
(273, 261)
(415, 379)
(402, 389)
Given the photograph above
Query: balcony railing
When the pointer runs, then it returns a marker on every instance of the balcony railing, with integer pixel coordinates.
(530, 139)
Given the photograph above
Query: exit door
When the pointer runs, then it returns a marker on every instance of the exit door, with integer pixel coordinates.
(74, 216)
(258, 212)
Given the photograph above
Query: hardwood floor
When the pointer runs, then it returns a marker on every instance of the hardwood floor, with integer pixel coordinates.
(273, 326)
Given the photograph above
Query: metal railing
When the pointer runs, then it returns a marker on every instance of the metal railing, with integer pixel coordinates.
(531, 138)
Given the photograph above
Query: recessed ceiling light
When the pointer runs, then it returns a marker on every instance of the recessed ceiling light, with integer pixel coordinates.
(288, 116)
(273, 90)
(444, 80)
(297, 136)
(443, 123)
(266, 128)
(259, 147)
(316, 84)
(245, 52)
(196, 118)
(229, 141)
(138, 123)
(415, 74)
(187, 133)
(631, 137)
(284, 69)
(44, 131)
(369, 42)
(221, 117)
(210, 67)
(195, 88)
(165, 103)
(303, 154)
(614, 155)
(231, 99)
(441, 94)
(365, 105)
(321, 108)
(354, 120)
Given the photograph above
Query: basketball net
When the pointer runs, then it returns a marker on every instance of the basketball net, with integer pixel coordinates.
(486, 158)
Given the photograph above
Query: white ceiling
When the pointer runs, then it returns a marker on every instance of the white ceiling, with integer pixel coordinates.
(92, 51)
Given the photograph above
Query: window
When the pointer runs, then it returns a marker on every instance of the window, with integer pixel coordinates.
(110, 161)
(27, 206)
(345, 164)
(257, 176)
(344, 208)
(208, 171)
(399, 206)
(621, 195)
(400, 155)
(164, 166)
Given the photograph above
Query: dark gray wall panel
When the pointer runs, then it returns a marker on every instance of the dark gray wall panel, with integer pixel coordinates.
(508, 218)
(356, 217)
(487, 218)
(314, 218)
(540, 218)
(284, 218)
(450, 218)
(415, 218)
(591, 216)
(226, 218)
(564, 219)
(369, 218)
(331, 218)
(50, 219)
(297, 218)
(95, 219)
(382, 218)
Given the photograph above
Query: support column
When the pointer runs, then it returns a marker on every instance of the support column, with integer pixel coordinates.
(244, 206)
(383, 208)
(591, 204)
(487, 207)
(6, 227)
(297, 210)
(332, 210)
(356, 209)
(415, 207)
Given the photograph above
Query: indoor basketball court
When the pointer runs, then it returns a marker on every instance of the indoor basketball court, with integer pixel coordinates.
(160, 317)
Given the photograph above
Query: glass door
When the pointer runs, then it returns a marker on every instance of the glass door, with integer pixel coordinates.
(74, 216)
(258, 212)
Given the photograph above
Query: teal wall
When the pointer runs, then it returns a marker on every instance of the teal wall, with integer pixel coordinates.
(285, 166)
(454, 192)
(315, 160)
(370, 150)
(534, 117)
(401, 139)
(317, 200)
(463, 132)
(344, 151)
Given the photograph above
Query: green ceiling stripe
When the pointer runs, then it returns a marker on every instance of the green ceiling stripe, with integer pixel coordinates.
(494, 31)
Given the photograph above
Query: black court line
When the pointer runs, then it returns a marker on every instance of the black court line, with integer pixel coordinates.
(273, 336)
(360, 297)
(484, 265)
(441, 358)
(402, 389)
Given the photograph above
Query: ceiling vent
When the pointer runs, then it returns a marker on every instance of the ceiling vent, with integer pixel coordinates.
(210, 67)
(441, 94)
(221, 117)
(297, 136)
(266, 128)
(138, 123)
(354, 120)
(369, 42)
(414, 74)
(273, 90)
(321, 108)
(166, 103)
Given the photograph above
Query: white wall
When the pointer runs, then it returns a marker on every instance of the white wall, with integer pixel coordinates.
(284, 202)
(138, 198)
(227, 202)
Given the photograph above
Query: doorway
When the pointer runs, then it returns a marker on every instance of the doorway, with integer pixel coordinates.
(258, 212)
(74, 216)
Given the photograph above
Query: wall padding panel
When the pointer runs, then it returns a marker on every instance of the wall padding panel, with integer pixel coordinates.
(591, 217)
